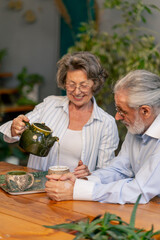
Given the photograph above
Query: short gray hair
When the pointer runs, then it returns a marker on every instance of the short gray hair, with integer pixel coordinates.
(82, 61)
(143, 88)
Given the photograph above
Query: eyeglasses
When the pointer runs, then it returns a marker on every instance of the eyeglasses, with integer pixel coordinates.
(121, 112)
(83, 87)
(124, 113)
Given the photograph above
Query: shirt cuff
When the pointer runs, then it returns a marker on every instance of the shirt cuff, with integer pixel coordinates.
(10, 139)
(5, 129)
(83, 190)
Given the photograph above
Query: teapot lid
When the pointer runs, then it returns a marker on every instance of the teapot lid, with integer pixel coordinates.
(42, 127)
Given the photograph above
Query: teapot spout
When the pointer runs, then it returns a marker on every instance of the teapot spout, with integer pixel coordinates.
(56, 139)
(51, 141)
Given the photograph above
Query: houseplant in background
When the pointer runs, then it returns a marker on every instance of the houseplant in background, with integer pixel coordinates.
(28, 87)
(27, 95)
(129, 46)
(10, 151)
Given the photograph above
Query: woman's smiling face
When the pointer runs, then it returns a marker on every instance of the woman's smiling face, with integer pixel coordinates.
(78, 87)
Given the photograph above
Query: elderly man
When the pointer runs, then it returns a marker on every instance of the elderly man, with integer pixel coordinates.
(136, 169)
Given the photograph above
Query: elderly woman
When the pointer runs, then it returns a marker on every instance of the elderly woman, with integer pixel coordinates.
(88, 136)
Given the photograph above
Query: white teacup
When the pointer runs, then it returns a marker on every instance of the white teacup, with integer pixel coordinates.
(19, 180)
(58, 169)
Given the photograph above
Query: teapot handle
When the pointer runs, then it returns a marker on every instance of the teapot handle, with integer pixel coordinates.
(27, 124)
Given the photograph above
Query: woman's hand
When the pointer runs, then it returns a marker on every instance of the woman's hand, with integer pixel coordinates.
(18, 126)
(60, 187)
(81, 170)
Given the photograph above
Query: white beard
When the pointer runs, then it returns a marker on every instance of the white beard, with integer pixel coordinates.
(138, 127)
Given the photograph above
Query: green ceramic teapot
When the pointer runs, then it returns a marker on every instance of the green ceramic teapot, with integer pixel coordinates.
(37, 139)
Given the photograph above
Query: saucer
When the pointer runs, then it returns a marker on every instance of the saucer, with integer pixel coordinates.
(37, 187)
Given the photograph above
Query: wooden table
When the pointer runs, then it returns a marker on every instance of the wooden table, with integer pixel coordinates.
(23, 216)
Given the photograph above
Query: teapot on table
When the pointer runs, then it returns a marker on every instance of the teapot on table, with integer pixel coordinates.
(37, 139)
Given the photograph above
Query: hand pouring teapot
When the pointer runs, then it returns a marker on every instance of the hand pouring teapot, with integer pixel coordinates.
(37, 139)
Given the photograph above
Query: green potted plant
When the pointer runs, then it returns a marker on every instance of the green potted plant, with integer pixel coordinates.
(27, 83)
(130, 46)
(108, 227)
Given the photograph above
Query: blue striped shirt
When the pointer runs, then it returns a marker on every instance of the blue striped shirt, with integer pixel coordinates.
(134, 171)
(99, 135)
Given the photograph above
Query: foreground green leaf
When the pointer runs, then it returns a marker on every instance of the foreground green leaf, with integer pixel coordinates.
(108, 227)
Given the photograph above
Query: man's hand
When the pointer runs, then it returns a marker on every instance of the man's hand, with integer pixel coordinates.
(60, 187)
(18, 126)
(81, 170)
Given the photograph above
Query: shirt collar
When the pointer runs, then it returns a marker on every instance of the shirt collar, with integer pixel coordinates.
(96, 110)
(96, 115)
(63, 103)
(154, 129)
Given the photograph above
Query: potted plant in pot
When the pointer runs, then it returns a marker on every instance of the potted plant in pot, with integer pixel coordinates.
(28, 87)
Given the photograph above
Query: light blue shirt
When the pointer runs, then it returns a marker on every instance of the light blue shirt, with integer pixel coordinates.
(99, 135)
(136, 170)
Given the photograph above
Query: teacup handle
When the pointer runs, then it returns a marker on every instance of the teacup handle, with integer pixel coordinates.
(32, 177)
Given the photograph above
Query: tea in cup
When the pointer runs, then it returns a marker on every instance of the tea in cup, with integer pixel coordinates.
(58, 170)
(19, 180)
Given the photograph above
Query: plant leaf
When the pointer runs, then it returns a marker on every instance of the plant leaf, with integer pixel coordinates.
(133, 215)
(71, 226)
(154, 6)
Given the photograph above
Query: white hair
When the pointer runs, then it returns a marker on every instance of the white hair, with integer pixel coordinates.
(143, 88)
